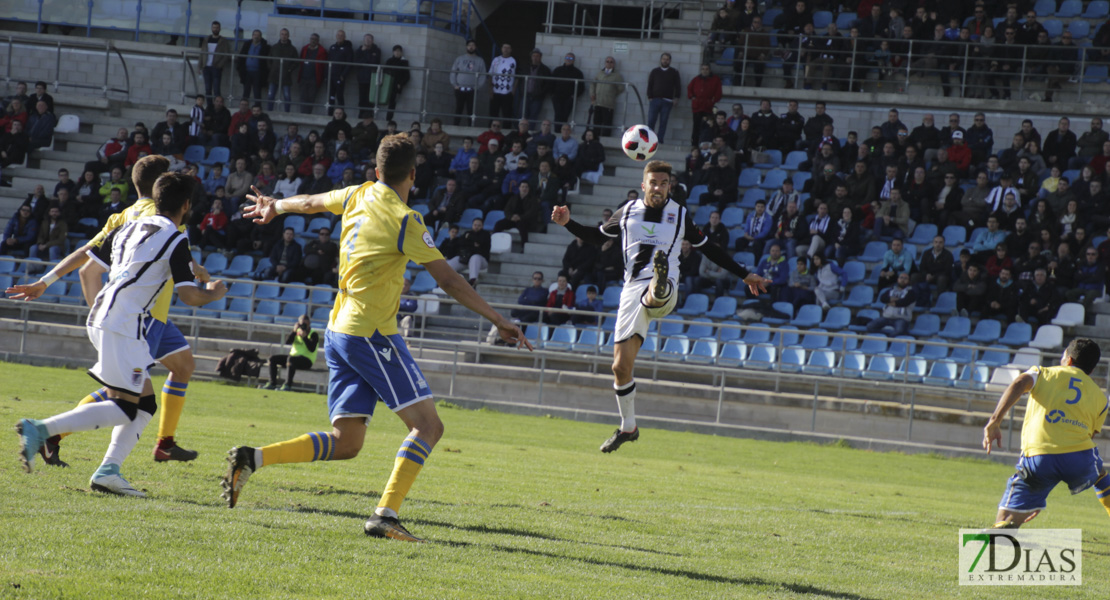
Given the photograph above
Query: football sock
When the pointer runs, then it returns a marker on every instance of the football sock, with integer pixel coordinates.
(410, 459)
(306, 448)
(1102, 491)
(88, 417)
(124, 437)
(626, 401)
(97, 396)
(173, 402)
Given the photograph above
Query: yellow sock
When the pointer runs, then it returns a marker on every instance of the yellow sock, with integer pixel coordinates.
(410, 459)
(1102, 491)
(306, 448)
(173, 402)
(96, 396)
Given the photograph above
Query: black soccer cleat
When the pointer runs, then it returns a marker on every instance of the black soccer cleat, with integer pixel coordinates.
(660, 286)
(620, 437)
(167, 449)
(49, 452)
(389, 527)
(240, 467)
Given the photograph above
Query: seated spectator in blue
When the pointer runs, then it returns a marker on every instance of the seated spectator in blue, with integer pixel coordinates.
(215, 179)
(831, 280)
(757, 230)
(591, 302)
(461, 161)
(892, 219)
(846, 234)
(565, 145)
(898, 309)
(21, 232)
(984, 247)
(895, 262)
(285, 257)
(775, 268)
(40, 126)
(534, 295)
(515, 176)
(799, 289)
(341, 163)
(1090, 277)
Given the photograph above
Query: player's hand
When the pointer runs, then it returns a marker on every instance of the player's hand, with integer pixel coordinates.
(263, 210)
(511, 333)
(200, 273)
(560, 215)
(757, 283)
(992, 433)
(27, 291)
(218, 287)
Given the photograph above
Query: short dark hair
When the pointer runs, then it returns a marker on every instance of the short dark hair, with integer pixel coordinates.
(146, 172)
(396, 158)
(172, 191)
(1085, 353)
(657, 166)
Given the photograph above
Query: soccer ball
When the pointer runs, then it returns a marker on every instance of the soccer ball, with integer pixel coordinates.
(639, 142)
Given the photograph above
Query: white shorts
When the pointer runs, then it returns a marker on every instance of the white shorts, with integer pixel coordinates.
(123, 361)
(634, 316)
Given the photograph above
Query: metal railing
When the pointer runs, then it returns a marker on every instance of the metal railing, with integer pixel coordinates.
(66, 77)
(960, 69)
(588, 19)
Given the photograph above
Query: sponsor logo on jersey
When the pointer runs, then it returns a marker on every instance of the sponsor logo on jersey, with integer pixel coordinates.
(428, 240)
(387, 354)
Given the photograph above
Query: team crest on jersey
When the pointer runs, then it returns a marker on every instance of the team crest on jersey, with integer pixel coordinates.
(671, 218)
(136, 377)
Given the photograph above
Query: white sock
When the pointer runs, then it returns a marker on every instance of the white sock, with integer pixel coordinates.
(382, 511)
(86, 418)
(626, 401)
(124, 439)
(258, 458)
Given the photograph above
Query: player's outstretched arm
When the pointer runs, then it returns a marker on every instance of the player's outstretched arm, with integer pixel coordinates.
(756, 283)
(457, 287)
(560, 215)
(91, 280)
(992, 433)
(266, 208)
(30, 291)
(195, 295)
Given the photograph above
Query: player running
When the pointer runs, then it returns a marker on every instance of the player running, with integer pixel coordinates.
(651, 230)
(141, 256)
(1066, 409)
(367, 359)
(168, 345)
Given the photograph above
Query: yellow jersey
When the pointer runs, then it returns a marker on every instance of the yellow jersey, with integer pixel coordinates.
(144, 207)
(1065, 409)
(380, 236)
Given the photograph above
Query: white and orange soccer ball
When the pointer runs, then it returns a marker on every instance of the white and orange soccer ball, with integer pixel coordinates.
(639, 142)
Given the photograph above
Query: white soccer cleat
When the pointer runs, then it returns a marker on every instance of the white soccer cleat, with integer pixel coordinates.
(112, 483)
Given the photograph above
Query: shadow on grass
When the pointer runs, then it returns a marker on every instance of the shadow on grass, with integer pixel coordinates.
(576, 514)
(882, 517)
(532, 534)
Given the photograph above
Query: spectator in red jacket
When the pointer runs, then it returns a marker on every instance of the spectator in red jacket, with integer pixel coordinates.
(704, 91)
(237, 119)
(137, 150)
(213, 228)
(959, 153)
(561, 296)
(312, 55)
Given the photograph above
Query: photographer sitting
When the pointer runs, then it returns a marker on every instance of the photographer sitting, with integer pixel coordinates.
(302, 353)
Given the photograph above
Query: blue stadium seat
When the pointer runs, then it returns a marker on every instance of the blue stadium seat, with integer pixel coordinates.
(73, 295)
(786, 336)
(912, 370)
(423, 283)
(783, 307)
(700, 328)
(748, 178)
(744, 258)
(792, 360)
(756, 335)
(703, 352)
(733, 354)
(799, 179)
(533, 332)
(901, 347)
(854, 271)
(793, 159)
(774, 159)
(1069, 9)
(774, 179)
(815, 339)
(1079, 29)
(727, 57)
(954, 235)
(492, 217)
(670, 326)
(265, 311)
(609, 324)
(733, 216)
(925, 326)
(1095, 74)
(241, 266)
(852, 364)
(839, 317)
(294, 221)
(873, 279)
(973, 377)
(675, 349)
(942, 373)
(611, 297)
(322, 295)
(1045, 8)
(320, 317)
(995, 356)
(701, 216)
(820, 362)
(963, 355)
(695, 306)
(194, 154)
(650, 346)
(7, 265)
(821, 19)
(876, 344)
(1054, 28)
(313, 228)
(728, 330)
(267, 292)
(293, 294)
(880, 368)
(724, 307)
(696, 192)
(931, 351)
(987, 331)
(946, 304)
(468, 217)
(873, 252)
(957, 328)
(762, 357)
(213, 309)
(1098, 9)
(238, 309)
(290, 312)
(865, 315)
(588, 341)
(219, 154)
(808, 315)
(845, 20)
(216, 263)
(751, 197)
(1017, 334)
(923, 234)
(240, 289)
(562, 338)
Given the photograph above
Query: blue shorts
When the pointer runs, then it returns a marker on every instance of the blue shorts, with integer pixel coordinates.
(1028, 489)
(163, 339)
(364, 369)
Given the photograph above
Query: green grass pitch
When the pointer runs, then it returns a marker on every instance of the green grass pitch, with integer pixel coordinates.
(514, 507)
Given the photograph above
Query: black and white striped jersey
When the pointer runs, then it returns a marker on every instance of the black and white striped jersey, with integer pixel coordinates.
(140, 256)
(643, 230)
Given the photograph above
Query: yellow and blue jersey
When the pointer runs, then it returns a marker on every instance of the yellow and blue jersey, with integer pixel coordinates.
(380, 236)
(144, 207)
(1065, 409)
